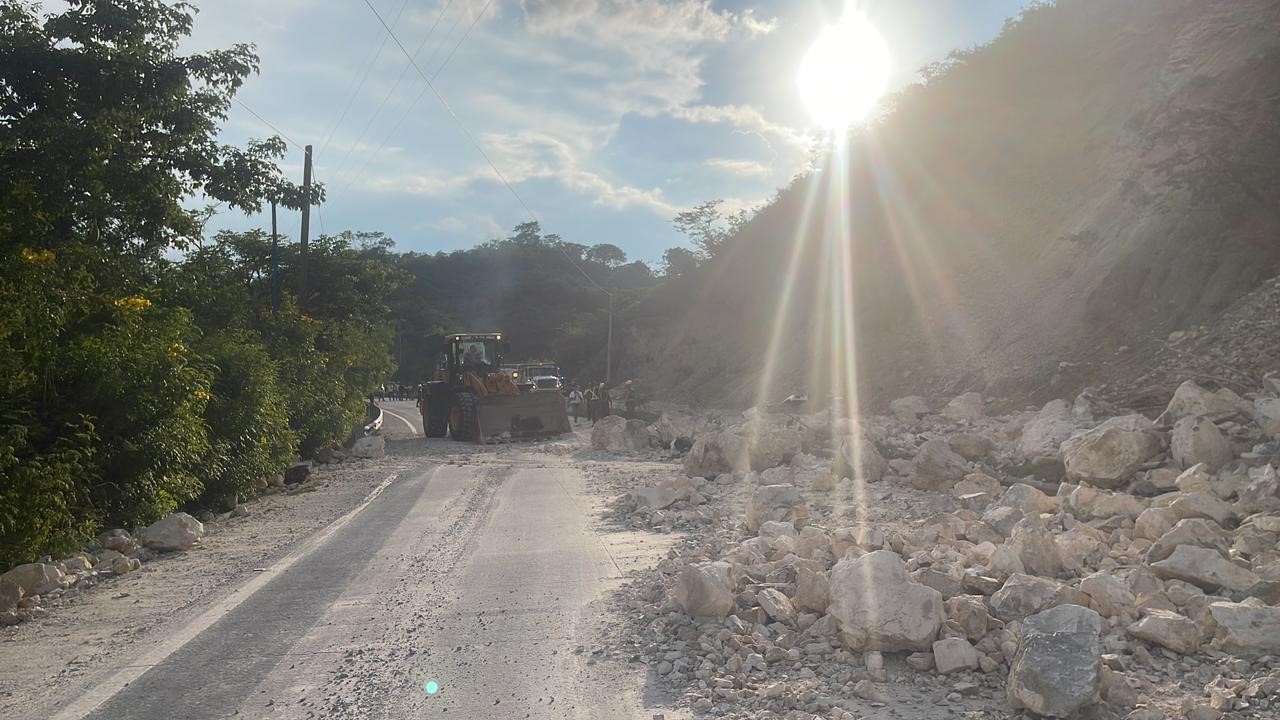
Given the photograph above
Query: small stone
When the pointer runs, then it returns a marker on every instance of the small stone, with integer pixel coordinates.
(1169, 630)
(1245, 629)
(36, 578)
(1203, 505)
(1024, 595)
(937, 467)
(1197, 440)
(704, 589)
(954, 654)
(920, 661)
(371, 447)
(1204, 568)
(777, 605)
(178, 531)
(122, 565)
(118, 540)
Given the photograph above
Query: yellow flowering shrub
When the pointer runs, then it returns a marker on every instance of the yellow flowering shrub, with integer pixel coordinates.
(133, 304)
(38, 257)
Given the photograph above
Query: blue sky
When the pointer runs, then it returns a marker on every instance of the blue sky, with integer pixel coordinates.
(607, 116)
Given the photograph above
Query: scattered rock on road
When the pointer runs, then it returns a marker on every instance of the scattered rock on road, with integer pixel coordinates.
(616, 434)
(369, 447)
(1058, 666)
(879, 607)
(36, 578)
(704, 589)
(178, 531)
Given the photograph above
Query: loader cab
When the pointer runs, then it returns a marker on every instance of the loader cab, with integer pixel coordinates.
(480, 353)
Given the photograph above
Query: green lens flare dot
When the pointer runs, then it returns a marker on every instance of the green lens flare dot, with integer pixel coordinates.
(432, 687)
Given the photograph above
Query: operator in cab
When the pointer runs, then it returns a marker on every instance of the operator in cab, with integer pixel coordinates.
(474, 359)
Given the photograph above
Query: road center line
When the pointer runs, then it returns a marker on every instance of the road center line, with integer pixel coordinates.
(105, 690)
(402, 419)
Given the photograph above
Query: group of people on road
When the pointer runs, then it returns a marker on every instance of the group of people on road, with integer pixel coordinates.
(593, 401)
(395, 391)
(596, 402)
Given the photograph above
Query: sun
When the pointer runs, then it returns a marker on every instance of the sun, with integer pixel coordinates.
(844, 73)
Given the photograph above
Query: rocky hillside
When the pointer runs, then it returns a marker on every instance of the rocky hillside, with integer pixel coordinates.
(945, 560)
(1039, 216)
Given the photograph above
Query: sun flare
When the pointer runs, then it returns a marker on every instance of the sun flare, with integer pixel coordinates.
(844, 73)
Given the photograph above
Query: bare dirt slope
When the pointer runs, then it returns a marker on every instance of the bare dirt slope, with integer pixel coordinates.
(1100, 175)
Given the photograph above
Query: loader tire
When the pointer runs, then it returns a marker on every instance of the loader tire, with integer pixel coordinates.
(462, 421)
(435, 416)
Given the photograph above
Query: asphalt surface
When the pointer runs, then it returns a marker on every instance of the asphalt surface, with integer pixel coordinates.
(469, 588)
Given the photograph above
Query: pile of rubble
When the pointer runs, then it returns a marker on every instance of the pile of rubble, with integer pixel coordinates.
(1054, 561)
(26, 590)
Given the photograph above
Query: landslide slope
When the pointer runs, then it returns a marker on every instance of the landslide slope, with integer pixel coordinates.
(1098, 176)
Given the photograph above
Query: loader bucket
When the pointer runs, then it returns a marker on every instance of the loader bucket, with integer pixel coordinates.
(521, 417)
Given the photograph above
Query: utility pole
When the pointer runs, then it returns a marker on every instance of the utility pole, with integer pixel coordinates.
(306, 228)
(608, 353)
(275, 262)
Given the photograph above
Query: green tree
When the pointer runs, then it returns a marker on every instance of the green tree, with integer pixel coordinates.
(607, 254)
(106, 128)
(132, 384)
(679, 261)
(707, 227)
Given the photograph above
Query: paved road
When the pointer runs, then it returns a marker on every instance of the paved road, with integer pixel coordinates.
(475, 570)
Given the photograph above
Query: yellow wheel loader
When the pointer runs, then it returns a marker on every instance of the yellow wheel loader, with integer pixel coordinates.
(473, 399)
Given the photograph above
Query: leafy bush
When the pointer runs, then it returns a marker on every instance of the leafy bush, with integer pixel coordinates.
(134, 375)
(247, 417)
(326, 369)
(43, 497)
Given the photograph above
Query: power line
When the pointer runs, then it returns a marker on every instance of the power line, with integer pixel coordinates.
(291, 141)
(403, 116)
(266, 122)
(355, 90)
(462, 39)
(476, 144)
(385, 98)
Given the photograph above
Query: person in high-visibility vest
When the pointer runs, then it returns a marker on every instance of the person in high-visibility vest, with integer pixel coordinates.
(593, 403)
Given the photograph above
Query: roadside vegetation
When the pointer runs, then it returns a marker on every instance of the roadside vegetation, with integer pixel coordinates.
(143, 367)
(147, 365)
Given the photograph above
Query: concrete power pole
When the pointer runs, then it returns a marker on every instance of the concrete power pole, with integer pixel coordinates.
(608, 353)
(275, 262)
(306, 228)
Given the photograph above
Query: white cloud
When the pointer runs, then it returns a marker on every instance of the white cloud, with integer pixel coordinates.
(415, 184)
(483, 226)
(451, 224)
(746, 168)
(531, 155)
(756, 27)
(742, 117)
(633, 21)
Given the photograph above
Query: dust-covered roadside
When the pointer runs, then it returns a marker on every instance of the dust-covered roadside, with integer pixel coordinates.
(85, 631)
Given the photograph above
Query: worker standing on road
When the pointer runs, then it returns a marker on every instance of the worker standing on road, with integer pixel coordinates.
(421, 396)
(575, 401)
(603, 408)
(592, 398)
(629, 398)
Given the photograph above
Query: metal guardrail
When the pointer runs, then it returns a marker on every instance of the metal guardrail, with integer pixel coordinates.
(375, 424)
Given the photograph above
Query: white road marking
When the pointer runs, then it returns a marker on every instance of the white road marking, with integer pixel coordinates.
(404, 420)
(104, 691)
